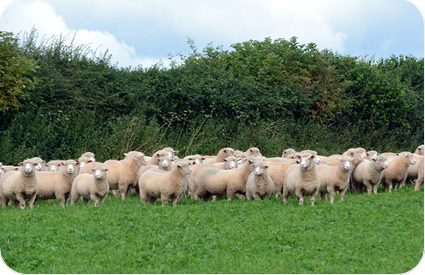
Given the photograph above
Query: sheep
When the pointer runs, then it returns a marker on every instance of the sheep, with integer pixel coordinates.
(413, 170)
(211, 181)
(259, 184)
(420, 180)
(335, 178)
(164, 185)
(253, 151)
(52, 166)
(38, 163)
(302, 179)
(286, 153)
(368, 173)
(171, 152)
(89, 155)
(122, 175)
(91, 187)
(239, 154)
(19, 186)
(156, 156)
(57, 185)
(84, 160)
(371, 155)
(420, 150)
(396, 173)
(277, 171)
(164, 164)
(222, 154)
(195, 159)
(111, 161)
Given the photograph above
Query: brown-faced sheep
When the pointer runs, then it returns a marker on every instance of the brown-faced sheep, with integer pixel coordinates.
(368, 173)
(19, 186)
(302, 179)
(396, 173)
(420, 180)
(164, 185)
(57, 185)
(212, 181)
(335, 178)
(259, 184)
(91, 187)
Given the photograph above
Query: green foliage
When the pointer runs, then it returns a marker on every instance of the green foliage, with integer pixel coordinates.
(272, 94)
(15, 74)
(362, 234)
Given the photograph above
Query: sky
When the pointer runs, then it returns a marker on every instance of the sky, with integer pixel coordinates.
(145, 32)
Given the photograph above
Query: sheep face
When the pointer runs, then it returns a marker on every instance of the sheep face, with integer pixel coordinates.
(165, 162)
(259, 168)
(28, 167)
(183, 167)
(306, 160)
(99, 172)
(381, 162)
(346, 163)
(53, 168)
(420, 150)
(231, 162)
(409, 156)
(371, 155)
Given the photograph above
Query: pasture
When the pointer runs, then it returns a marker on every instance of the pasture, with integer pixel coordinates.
(362, 234)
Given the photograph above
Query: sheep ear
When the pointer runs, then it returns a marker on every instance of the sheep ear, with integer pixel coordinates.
(266, 166)
(179, 166)
(93, 170)
(312, 157)
(203, 158)
(225, 160)
(298, 156)
(176, 152)
(297, 162)
(21, 164)
(190, 158)
(397, 154)
(251, 150)
(106, 169)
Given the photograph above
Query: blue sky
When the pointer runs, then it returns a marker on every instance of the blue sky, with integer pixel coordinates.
(146, 31)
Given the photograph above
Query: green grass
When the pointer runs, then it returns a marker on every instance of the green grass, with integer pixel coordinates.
(363, 234)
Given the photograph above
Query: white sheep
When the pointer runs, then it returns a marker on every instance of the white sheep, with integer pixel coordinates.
(368, 173)
(57, 185)
(287, 152)
(222, 154)
(195, 159)
(413, 170)
(335, 178)
(89, 155)
(53, 166)
(211, 181)
(164, 185)
(371, 155)
(396, 173)
(420, 150)
(420, 180)
(302, 179)
(91, 187)
(253, 151)
(19, 186)
(277, 171)
(259, 184)
(38, 163)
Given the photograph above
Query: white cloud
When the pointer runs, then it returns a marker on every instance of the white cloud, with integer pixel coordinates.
(43, 17)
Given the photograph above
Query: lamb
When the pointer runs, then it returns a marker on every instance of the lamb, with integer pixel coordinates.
(302, 179)
(19, 186)
(286, 153)
(420, 150)
(397, 171)
(222, 154)
(91, 187)
(253, 151)
(164, 164)
(165, 185)
(84, 160)
(335, 178)
(259, 184)
(195, 159)
(38, 163)
(171, 152)
(122, 175)
(156, 156)
(88, 155)
(57, 185)
(211, 181)
(420, 180)
(368, 173)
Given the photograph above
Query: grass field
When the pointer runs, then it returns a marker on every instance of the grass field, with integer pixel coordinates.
(362, 234)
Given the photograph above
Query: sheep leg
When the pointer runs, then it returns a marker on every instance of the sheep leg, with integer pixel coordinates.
(368, 186)
(207, 197)
(75, 198)
(313, 197)
(103, 198)
(144, 197)
(285, 194)
(375, 188)
(342, 193)
(418, 184)
(31, 201)
(175, 200)
(123, 190)
(323, 196)
(300, 196)
(230, 194)
(94, 199)
(332, 194)
(20, 197)
(152, 201)
(164, 200)
(4, 202)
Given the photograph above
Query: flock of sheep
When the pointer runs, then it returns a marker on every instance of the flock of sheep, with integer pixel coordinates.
(245, 174)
